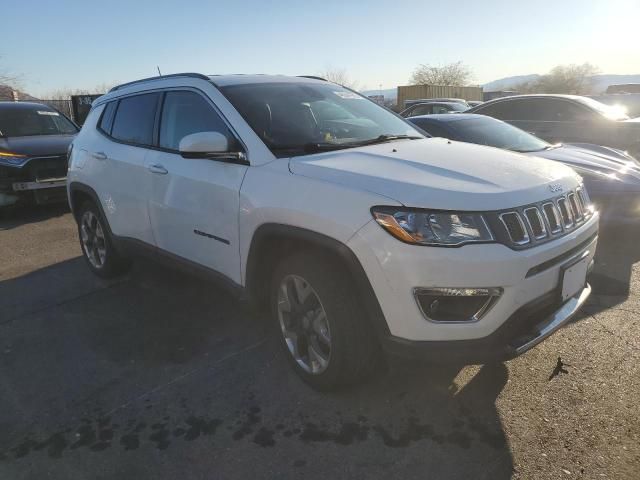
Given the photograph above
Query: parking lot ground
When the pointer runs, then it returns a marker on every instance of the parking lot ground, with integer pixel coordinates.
(160, 375)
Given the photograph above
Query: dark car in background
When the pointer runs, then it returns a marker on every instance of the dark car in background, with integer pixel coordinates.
(34, 139)
(568, 119)
(611, 177)
(433, 108)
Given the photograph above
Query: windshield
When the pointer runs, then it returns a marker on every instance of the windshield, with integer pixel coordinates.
(291, 117)
(612, 112)
(24, 122)
(494, 133)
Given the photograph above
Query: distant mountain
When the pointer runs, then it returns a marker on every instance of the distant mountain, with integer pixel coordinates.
(508, 83)
(600, 82)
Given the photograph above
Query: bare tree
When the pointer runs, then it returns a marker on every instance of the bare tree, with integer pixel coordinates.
(455, 74)
(339, 76)
(65, 93)
(567, 79)
(6, 78)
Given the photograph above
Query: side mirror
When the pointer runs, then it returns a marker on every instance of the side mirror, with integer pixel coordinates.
(211, 145)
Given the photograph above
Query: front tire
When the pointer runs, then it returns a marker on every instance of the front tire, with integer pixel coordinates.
(97, 245)
(320, 322)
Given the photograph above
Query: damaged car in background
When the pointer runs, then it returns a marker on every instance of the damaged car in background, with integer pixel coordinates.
(34, 139)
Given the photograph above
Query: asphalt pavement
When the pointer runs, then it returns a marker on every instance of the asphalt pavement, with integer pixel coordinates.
(161, 375)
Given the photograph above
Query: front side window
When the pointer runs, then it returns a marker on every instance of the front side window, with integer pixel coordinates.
(298, 118)
(134, 120)
(32, 121)
(184, 113)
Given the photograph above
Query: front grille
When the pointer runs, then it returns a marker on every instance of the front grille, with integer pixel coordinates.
(534, 218)
(530, 225)
(553, 217)
(515, 228)
(567, 217)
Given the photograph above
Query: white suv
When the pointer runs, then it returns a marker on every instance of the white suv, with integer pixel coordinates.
(357, 232)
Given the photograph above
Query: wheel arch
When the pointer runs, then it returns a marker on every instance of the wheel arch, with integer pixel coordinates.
(81, 192)
(272, 242)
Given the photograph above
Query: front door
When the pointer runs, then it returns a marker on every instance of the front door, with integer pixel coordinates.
(194, 203)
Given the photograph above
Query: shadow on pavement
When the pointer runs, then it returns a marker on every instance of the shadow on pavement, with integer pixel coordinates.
(14, 217)
(163, 370)
(617, 252)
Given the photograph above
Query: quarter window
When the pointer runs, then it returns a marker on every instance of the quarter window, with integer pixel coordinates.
(185, 113)
(106, 122)
(135, 118)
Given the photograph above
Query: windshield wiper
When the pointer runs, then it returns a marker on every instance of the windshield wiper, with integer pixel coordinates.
(387, 138)
(327, 147)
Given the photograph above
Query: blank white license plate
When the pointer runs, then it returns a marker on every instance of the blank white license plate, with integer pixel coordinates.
(574, 278)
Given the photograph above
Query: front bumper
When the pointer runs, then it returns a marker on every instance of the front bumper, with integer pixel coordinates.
(40, 181)
(394, 269)
(525, 329)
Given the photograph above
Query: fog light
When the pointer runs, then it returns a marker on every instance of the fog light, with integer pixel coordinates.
(456, 304)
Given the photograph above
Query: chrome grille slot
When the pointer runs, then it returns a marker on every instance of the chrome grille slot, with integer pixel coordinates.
(536, 223)
(515, 228)
(553, 217)
(567, 218)
(576, 210)
(584, 201)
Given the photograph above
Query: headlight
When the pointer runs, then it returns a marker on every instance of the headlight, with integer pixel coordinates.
(436, 228)
(12, 159)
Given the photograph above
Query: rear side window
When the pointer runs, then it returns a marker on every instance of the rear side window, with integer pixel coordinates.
(106, 122)
(506, 110)
(134, 119)
(185, 113)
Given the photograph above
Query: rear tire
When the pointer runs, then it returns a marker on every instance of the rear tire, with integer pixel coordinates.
(320, 322)
(97, 245)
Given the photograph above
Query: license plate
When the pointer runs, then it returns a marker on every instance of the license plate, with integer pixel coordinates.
(574, 278)
(19, 186)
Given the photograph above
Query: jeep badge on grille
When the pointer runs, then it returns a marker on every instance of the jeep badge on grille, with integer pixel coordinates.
(555, 187)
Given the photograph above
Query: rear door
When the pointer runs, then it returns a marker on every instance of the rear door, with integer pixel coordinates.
(194, 203)
(119, 156)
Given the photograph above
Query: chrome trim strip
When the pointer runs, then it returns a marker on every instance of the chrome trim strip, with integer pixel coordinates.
(578, 215)
(526, 238)
(567, 222)
(542, 224)
(555, 321)
(556, 216)
(493, 295)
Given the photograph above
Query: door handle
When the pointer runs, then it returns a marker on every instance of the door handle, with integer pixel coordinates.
(157, 168)
(99, 155)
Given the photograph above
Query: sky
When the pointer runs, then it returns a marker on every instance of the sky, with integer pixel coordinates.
(81, 44)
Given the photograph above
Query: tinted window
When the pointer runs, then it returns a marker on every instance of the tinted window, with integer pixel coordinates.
(432, 129)
(134, 120)
(420, 110)
(106, 122)
(185, 113)
(504, 110)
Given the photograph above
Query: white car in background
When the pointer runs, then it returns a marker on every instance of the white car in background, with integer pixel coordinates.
(357, 232)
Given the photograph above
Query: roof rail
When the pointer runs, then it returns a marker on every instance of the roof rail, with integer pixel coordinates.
(160, 77)
(313, 77)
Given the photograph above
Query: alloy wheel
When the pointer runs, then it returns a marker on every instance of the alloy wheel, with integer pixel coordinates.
(304, 324)
(93, 240)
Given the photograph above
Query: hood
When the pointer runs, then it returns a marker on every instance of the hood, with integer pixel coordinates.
(37, 145)
(602, 168)
(440, 174)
